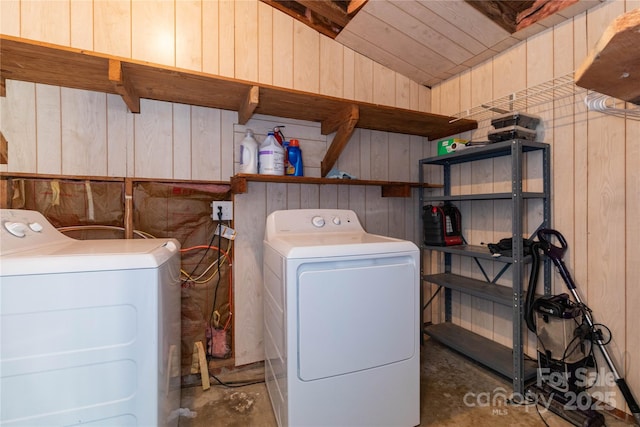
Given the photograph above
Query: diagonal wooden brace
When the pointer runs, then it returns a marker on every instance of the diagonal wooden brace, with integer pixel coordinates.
(343, 123)
(249, 105)
(123, 86)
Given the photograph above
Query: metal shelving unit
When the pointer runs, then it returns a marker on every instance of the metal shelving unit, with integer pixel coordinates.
(509, 362)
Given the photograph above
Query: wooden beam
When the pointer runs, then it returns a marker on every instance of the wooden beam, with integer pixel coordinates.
(396, 190)
(613, 66)
(249, 105)
(128, 208)
(334, 121)
(123, 86)
(354, 6)
(3, 86)
(4, 150)
(540, 10)
(343, 134)
(299, 13)
(328, 9)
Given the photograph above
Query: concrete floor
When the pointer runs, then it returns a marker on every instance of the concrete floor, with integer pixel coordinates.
(446, 378)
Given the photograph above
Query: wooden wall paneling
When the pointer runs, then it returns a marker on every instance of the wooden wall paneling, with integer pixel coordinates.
(464, 186)
(189, 29)
(153, 140)
(376, 211)
(210, 37)
(18, 120)
(246, 40)
(205, 143)
(182, 143)
(363, 78)
(153, 31)
(469, 21)
(365, 154)
(630, 369)
(228, 119)
(414, 95)
(226, 38)
(293, 196)
(378, 53)
(402, 91)
(331, 63)
(10, 17)
(48, 129)
(309, 196)
(81, 13)
(119, 136)
(349, 75)
(249, 218)
(563, 165)
(384, 87)
(379, 155)
(580, 164)
(306, 58)
(282, 50)
(84, 132)
(606, 206)
(36, 18)
(266, 52)
(357, 202)
(399, 157)
(349, 160)
(397, 219)
(328, 196)
(343, 196)
(112, 27)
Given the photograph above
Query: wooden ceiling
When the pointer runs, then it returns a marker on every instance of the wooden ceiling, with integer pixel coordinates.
(431, 40)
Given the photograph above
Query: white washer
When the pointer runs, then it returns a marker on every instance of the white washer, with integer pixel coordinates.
(341, 322)
(90, 329)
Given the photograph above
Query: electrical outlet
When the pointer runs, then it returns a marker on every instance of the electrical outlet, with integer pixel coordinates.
(227, 210)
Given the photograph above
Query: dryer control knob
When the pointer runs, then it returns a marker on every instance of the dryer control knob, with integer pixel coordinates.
(16, 228)
(36, 226)
(317, 221)
(336, 220)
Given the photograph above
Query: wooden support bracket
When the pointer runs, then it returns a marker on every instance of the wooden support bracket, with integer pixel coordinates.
(249, 105)
(128, 208)
(343, 123)
(3, 87)
(4, 150)
(123, 86)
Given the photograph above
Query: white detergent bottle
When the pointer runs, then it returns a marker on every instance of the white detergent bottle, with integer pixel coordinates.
(249, 154)
(271, 156)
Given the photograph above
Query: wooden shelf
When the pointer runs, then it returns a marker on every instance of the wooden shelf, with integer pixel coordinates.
(612, 66)
(388, 188)
(40, 62)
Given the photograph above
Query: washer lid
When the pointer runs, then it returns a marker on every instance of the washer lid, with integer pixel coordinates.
(89, 255)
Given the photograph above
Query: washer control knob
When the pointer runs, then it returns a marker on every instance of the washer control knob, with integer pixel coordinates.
(16, 228)
(36, 226)
(336, 220)
(317, 221)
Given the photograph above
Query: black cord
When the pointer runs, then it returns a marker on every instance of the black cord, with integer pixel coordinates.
(215, 293)
(236, 384)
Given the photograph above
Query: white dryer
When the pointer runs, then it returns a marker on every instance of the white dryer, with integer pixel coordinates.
(341, 322)
(90, 329)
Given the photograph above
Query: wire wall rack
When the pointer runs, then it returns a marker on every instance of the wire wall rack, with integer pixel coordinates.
(544, 94)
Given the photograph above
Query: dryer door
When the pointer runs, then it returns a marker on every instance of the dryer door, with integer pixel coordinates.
(355, 315)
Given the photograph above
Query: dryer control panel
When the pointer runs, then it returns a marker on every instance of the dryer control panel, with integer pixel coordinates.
(305, 221)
